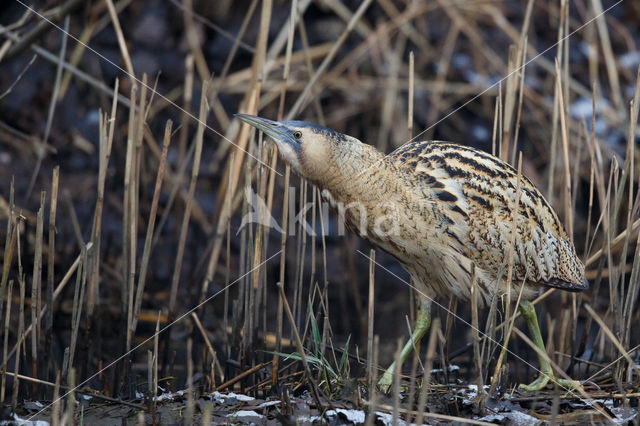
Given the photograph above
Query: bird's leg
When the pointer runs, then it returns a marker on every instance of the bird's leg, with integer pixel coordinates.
(528, 312)
(423, 321)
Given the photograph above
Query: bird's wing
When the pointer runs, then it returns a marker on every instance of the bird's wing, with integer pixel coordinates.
(475, 193)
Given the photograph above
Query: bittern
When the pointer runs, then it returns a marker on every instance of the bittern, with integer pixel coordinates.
(440, 209)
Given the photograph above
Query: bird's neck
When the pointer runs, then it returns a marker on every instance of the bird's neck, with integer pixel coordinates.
(349, 173)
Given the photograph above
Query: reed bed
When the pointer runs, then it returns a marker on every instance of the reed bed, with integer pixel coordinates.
(158, 255)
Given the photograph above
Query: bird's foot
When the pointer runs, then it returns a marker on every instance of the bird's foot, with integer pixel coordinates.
(537, 384)
(542, 381)
(385, 382)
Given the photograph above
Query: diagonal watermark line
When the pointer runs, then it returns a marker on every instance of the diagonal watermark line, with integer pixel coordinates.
(516, 70)
(581, 27)
(568, 390)
(150, 88)
(166, 327)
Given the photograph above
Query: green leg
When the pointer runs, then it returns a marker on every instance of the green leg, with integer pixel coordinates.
(422, 325)
(528, 312)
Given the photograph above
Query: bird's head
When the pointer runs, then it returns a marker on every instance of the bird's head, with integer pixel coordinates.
(311, 150)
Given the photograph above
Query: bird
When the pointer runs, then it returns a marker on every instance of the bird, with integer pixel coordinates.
(442, 210)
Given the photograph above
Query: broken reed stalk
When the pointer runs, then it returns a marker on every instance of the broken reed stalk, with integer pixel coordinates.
(21, 333)
(202, 119)
(134, 155)
(9, 244)
(36, 284)
(241, 376)
(126, 210)
(146, 251)
(212, 351)
(105, 142)
(56, 293)
(6, 340)
(48, 325)
(76, 313)
(370, 322)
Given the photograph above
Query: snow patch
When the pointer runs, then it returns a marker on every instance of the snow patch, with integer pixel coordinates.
(245, 414)
(18, 421)
(354, 416)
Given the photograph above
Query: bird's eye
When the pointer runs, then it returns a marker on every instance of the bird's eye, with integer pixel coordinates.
(297, 134)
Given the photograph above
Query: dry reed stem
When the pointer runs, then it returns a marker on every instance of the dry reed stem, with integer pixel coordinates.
(21, 332)
(436, 416)
(302, 99)
(92, 28)
(568, 211)
(55, 179)
(36, 299)
(507, 309)
(56, 293)
(9, 244)
(195, 168)
(207, 342)
(146, 251)
(80, 75)
(107, 129)
(194, 42)
(5, 344)
(232, 171)
(315, 393)
(389, 104)
(121, 42)
(370, 319)
(428, 365)
(285, 199)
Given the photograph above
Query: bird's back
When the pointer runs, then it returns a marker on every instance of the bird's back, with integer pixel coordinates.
(472, 195)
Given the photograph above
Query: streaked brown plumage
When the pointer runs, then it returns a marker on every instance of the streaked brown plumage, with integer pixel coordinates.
(439, 208)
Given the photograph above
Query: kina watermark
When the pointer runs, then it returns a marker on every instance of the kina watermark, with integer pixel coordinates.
(381, 219)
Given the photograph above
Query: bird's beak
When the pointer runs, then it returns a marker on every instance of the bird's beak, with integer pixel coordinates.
(272, 129)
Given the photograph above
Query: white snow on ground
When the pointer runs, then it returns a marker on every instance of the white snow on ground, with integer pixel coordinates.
(516, 417)
(245, 414)
(354, 416)
(18, 421)
(451, 368)
(169, 396)
(222, 396)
